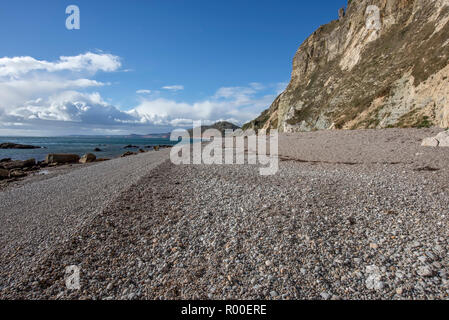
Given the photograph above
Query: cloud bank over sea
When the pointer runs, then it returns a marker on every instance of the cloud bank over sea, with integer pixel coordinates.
(40, 97)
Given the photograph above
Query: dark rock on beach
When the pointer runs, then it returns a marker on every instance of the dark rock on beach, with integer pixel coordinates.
(97, 150)
(42, 164)
(62, 158)
(18, 164)
(162, 146)
(17, 173)
(9, 145)
(131, 147)
(14, 169)
(128, 153)
(4, 174)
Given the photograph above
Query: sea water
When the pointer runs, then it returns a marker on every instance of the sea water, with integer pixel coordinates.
(111, 146)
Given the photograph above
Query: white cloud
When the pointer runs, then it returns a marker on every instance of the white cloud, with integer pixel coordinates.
(71, 106)
(34, 93)
(257, 85)
(174, 88)
(234, 104)
(37, 99)
(91, 62)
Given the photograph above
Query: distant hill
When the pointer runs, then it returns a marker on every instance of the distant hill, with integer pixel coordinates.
(220, 126)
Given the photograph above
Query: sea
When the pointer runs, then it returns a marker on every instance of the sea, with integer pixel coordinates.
(110, 146)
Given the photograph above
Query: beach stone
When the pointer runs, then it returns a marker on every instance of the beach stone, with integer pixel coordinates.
(430, 142)
(17, 174)
(128, 153)
(18, 164)
(442, 135)
(88, 157)
(425, 271)
(444, 141)
(97, 150)
(62, 158)
(440, 140)
(4, 174)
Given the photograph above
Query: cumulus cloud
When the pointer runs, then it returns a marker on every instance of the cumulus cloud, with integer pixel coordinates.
(91, 62)
(174, 88)
(67, 112)
(36, 92)
(39, 97)
(234, 104)
(86, 108)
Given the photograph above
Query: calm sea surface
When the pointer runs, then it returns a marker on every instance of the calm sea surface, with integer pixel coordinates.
(111, 146)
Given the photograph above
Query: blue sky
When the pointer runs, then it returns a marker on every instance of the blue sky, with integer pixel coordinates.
(150, 65)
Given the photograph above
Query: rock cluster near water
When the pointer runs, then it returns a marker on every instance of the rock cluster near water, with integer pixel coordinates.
(11, 170)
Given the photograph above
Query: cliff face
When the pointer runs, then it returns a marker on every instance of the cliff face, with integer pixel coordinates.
(384, 63)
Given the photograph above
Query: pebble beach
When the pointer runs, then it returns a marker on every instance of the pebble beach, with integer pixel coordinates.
(349, 215)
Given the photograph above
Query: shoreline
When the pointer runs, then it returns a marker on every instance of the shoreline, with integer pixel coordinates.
(44, 171)
(336, 222)
(38, 215)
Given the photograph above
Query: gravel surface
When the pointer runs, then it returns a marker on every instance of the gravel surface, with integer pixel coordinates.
(39, 214)
(390, 146)
(353, 228)
(42, 174)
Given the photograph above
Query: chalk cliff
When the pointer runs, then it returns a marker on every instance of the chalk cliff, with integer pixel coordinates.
(383, 63)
